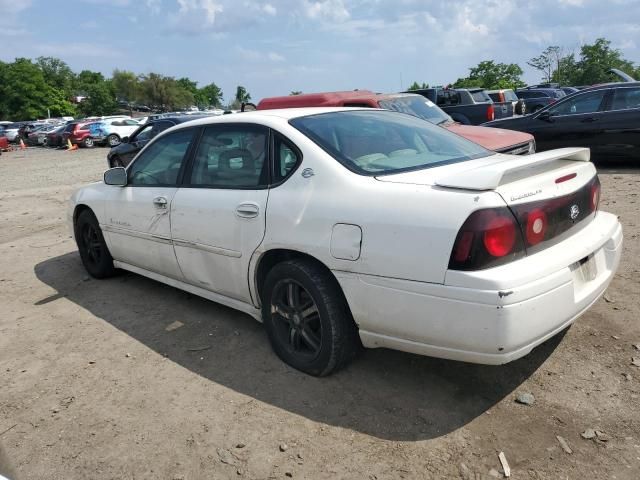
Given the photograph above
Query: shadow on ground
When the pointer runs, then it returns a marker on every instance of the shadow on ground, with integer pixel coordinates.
(387, 394)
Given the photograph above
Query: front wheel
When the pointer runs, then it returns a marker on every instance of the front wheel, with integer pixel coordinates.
(93, 249)
(307, 318)
(88, 142)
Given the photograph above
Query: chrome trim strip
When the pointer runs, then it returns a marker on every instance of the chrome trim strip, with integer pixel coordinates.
(207, 248)
(132, 233)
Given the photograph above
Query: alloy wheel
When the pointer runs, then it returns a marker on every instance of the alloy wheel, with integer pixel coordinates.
(296, 319)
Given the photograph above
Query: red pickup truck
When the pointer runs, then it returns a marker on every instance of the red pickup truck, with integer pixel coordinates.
(503, 141)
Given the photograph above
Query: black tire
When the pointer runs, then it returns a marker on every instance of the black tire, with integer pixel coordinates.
(116, 161)
(316, 342)
(113, 140)
(93, 249)
(88, 142)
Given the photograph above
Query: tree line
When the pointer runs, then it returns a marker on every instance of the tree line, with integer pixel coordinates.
(588, 66)
(47, 86)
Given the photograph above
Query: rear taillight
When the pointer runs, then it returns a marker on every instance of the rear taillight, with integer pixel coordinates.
(488, 238)
(490, 112)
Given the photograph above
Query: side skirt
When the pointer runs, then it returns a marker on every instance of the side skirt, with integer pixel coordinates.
(201, 292)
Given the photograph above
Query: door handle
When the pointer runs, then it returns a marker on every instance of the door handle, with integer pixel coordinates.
(247, 210)
(588, 120)
(160, 202)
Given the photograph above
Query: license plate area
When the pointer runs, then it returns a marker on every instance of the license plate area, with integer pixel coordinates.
(585, 270)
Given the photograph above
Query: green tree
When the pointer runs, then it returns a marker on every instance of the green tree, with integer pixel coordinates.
(491, 75)
(548, 62)
(25, 95)
(100, 100)
(212, 95)
(125, 85)
(596, 59)
(418, 86)
(84, 80)
(242, 95)
(165, 93)
(57, 74)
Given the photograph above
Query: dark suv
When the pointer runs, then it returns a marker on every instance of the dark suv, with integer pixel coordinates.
(537, 98)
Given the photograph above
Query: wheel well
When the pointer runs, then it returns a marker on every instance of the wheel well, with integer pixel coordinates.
(271, 258)
(78, 210)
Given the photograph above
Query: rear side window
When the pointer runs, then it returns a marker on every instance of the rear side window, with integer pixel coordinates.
(231, 156)
(479, 96)
(510, 96)
(287, 157)
(626, 98)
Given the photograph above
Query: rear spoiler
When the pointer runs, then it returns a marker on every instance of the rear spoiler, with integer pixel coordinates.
(490, 177)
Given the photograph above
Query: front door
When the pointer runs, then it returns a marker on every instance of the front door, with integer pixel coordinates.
(574, 122)
(218, 215)
(137, 216)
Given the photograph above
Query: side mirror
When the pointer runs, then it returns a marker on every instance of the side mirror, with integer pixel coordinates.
(546, 116)
(116, 176)
(124, 140)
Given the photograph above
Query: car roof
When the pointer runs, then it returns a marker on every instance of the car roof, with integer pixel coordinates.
(284, 114)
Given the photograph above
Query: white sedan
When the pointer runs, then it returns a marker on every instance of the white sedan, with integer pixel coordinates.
(346, 227)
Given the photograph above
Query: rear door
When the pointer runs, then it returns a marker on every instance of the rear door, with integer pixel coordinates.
(137, 218)
(574, 122)
(621, 124)
(218, 215)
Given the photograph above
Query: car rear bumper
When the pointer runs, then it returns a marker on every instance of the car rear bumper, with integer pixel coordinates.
(493, 316)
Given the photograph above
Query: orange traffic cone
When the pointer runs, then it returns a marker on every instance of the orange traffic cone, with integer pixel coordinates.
(22, 145)
(70, 146)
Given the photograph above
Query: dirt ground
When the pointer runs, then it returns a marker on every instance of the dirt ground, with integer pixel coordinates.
(93, 385)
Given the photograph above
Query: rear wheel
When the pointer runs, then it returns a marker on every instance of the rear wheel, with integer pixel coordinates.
(307, 318)
(93, 249)
(88, 142)
(116, 162)
(113, 140)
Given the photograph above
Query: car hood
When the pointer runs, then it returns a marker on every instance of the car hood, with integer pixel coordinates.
(491, 139)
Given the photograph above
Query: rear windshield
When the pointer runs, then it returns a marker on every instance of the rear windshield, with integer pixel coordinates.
(510, 96)
(480, 96)
(418, 106)
(379, 142)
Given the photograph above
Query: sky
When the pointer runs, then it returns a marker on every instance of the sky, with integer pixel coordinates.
(277, 46)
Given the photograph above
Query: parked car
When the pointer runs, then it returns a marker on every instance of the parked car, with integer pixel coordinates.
(469, 106)
(537, 98)
(54, 137)
(122, 154)
(4, 141)
(604, 118)
(117, 128)
(408, 103)
(11, 131)
(32, 136)
(508, 95)
(84, 134)
(27, 128)
(379, 228)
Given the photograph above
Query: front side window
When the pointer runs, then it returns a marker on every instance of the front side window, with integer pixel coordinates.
(587, 103)
(231, 156)
(626, 98)
(160, 162)
(379, 142)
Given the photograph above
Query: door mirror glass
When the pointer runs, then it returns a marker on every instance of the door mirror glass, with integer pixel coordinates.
(116, 176)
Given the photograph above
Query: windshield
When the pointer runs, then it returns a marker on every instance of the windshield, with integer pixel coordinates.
(418, 106)
(379, 142)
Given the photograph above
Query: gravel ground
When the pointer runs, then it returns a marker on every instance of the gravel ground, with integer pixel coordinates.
(94, 385)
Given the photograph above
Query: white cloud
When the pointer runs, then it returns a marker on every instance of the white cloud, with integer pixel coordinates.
(258, 56)
(327, 10)
(269, 9)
